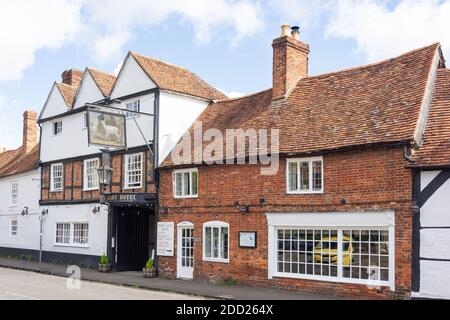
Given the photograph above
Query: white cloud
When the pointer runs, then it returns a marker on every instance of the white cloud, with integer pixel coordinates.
(305, 13)
(113, 22)
(383, 30)
(105, 27)
(27, 26)
(2, 102)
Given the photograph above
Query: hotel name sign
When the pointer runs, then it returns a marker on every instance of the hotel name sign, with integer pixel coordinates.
(125, 198)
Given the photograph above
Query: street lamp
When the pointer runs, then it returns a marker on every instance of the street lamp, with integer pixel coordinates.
(104, 175)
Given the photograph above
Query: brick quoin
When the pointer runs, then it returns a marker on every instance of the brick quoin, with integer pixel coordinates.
(370, 180)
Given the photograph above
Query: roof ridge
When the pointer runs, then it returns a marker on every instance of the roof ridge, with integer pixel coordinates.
(161, 61)
(100, 71)
(244, 97)
(361, 67)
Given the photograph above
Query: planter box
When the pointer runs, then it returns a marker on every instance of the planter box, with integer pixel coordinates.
(149, 273)
(104, 268)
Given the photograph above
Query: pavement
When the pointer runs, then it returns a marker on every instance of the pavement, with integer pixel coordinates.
(186, 287)
(24, 285)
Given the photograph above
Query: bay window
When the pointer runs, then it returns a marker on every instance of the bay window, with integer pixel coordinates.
(216, 241)
(304, 175)
(338, 247)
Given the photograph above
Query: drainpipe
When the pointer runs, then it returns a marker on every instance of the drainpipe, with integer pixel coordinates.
(41, 219)
(406, 155)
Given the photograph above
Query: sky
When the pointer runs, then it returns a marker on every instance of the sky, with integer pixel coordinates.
(226, 42)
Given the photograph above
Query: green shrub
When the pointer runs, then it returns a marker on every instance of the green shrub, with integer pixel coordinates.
(104, 259)
(149, 264)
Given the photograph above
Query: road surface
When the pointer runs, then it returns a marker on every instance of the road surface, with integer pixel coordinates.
(24, 285)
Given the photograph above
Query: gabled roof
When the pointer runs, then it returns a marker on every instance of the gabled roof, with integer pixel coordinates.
(104, 81)
(16, 161)
(373, 104)
(173, 78)
(435, 150)
(67, 92)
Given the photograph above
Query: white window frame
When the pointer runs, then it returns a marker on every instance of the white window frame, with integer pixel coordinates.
(134, 103)
(14, 196)
(71, 234)
(52, 182)
(310, 161)
(86, 176)
(57, 128)
(336, 221)
(13, 234)
(174, 185)
(216, 224)
(127, 159)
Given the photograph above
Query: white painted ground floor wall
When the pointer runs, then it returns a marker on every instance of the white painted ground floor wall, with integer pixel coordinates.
(435, 240)
(83, 213)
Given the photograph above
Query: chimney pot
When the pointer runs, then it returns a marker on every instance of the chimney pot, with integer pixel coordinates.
(295, 32)
(285, 30)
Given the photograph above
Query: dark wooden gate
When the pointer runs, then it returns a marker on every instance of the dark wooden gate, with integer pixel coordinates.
(132, 239)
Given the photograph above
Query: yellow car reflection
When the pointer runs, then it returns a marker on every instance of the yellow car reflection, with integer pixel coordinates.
(326, 251)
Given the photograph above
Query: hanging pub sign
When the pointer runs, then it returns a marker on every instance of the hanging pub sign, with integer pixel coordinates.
(106, 129)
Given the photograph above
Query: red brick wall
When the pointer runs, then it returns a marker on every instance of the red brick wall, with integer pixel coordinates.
(73, 186)
(369, 180)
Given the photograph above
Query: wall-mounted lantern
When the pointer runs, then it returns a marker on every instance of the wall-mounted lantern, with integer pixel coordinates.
(24, 211)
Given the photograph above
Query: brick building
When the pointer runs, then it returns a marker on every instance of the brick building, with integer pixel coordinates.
(337, 215)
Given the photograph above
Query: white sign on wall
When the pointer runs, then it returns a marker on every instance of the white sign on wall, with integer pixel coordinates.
(165, 237)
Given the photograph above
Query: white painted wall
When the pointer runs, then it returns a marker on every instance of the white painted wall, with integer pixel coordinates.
(435, 241)
(176, 115)
(88, 92)
(436, 211)
(131, 79)
(54, 105)
(435, 279)
(77, 213)
(28, 226)
(73, 141)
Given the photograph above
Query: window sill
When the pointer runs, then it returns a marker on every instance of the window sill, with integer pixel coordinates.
(304, 192)
(216, 260)
(71, 245)
(131, 188)
(185, 197)
(333, 279)
(90, 189)
(56, 191)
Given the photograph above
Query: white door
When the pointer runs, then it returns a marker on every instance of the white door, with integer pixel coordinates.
(185, 250)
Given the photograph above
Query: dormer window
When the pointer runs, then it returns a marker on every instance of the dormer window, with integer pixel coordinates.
(133, 106)
(57, 127)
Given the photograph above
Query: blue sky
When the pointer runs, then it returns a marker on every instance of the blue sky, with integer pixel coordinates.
(226, 42)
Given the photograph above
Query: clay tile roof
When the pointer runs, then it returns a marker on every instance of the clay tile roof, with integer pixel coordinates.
(373, 104)
(173, 78)
(104, 81)
(435, 149)
(68, 93)
(15, 161)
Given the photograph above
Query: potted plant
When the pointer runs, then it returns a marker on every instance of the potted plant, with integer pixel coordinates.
(104, 265)
(149, 269)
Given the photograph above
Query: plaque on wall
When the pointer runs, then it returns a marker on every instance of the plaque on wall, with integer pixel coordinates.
(247, 239)
(165, 238)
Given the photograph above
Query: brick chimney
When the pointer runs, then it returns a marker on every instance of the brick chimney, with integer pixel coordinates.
(72, 77)
(290, 61)
(30, 132)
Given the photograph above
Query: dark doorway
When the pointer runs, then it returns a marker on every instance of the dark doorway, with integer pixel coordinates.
(132, 238)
